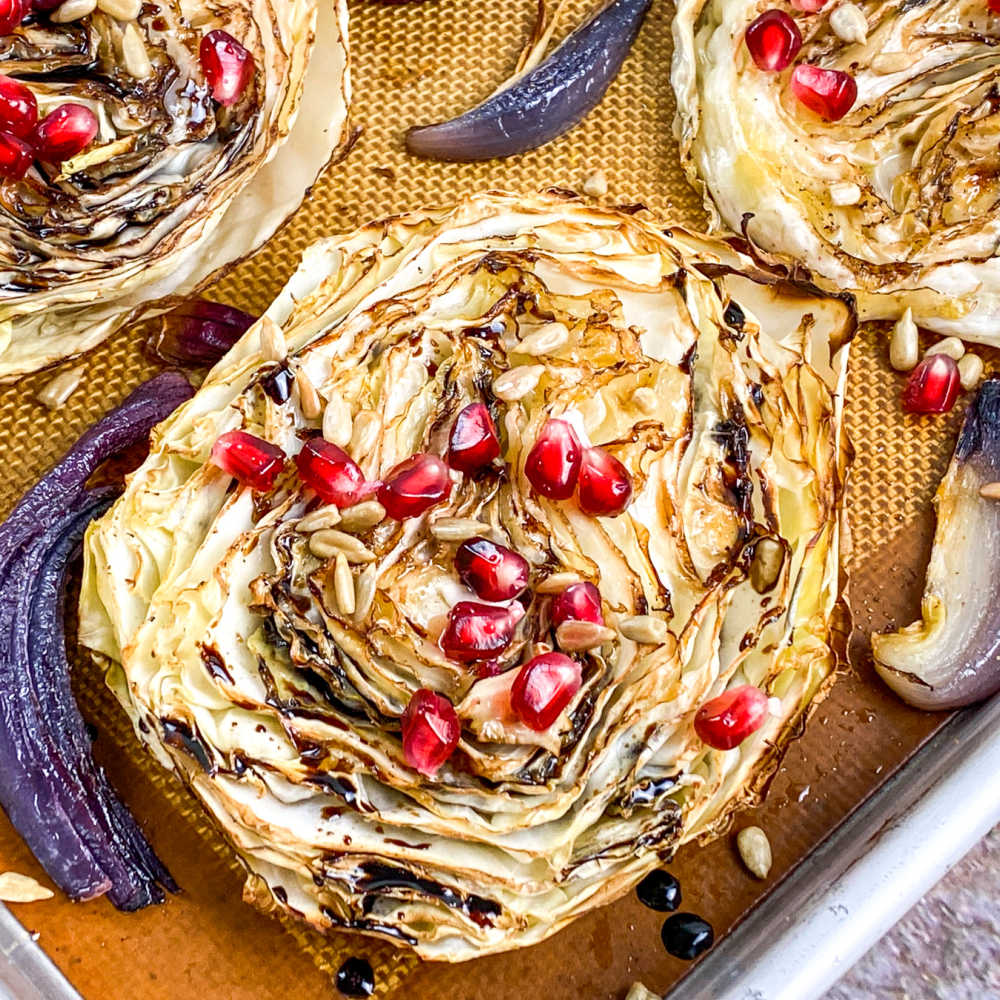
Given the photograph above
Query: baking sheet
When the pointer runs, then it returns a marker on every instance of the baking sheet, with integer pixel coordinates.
(413, 64)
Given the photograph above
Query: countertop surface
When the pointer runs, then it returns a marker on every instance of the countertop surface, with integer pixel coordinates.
(947, 947)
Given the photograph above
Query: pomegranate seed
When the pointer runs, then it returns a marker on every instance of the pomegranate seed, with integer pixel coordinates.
(543, 688)
(430, 731)
(605, 484)
(252, 460)
(994, 6)
(479, 631)
(553, 464)
(16, 156)
(725, 722)
(488, 668)
(12, 13)
(809, 6)
(773, 40)
(828, 93)
(18, 108)
(64, 132)
(473, 443)
(579, 602)
(414, 486)
(933, 386)
(332, 473)
(228, 67)
(493, 571)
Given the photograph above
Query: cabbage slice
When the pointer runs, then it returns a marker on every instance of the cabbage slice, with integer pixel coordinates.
(175, 190)
(896, 202)
(718, 385)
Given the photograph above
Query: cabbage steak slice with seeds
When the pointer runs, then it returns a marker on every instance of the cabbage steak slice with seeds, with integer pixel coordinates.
(718, 386)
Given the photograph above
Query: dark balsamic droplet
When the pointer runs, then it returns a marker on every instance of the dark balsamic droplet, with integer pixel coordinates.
(734, 316)
(686, 936)
(278, 385)
(659, 890)
(355, 978)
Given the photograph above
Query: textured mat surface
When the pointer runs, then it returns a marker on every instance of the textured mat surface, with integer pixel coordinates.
(414, 64)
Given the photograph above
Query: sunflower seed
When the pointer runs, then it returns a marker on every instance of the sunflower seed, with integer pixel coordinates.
(55, 392)
(134, 54)
(327, 542)
(458, 529)
(990, 491)
(309, 402)
(272, 340)
(892, 62)
(595, 184)
(644, 628)
(845, 193)
(343, 585)
(337, 421)
(123, 10)
(16, 888)
(516, 383)
(323, 517)
(849, 24)
(904, 347)
(951, 346)
(362, 516)
(556, 583)
(575, 636)
(367, 426)
(768, 558)
(755, 850)
(72, 10)
(970, 371)
(545, 340)
(365, 592)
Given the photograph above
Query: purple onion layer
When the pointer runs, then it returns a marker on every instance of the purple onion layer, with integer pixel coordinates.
(54, 793)
(544, 103)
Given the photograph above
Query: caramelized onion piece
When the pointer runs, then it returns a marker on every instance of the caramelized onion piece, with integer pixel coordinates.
(951, 657)
(545, 102)
(59, 800)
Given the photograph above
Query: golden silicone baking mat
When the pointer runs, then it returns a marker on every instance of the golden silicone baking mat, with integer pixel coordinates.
(413, 64)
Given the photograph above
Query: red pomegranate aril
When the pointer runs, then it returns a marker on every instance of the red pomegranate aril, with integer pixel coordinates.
(414, 486)
(332, 473)
(933, 386)
(579, 602)
(430, 731)
(64, 132)
(252, 460)
(18, 108)
(773, 41)
(227, 65)
(725, 722)
(478, 631)
(605, 486)
(16, 157)
(12, 13)
(553, 464)
(809, 6)
(493, 571)
(543, 688)
(829, 93)
(473, 443)
(994, 6)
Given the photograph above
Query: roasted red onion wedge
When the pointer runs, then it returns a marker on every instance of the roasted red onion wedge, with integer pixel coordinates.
(545, 102)
(951, 657)
(59, 800)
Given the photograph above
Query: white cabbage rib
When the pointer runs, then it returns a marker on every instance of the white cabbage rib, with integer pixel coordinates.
(174, 189)
(897, 202)
(282, 714)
